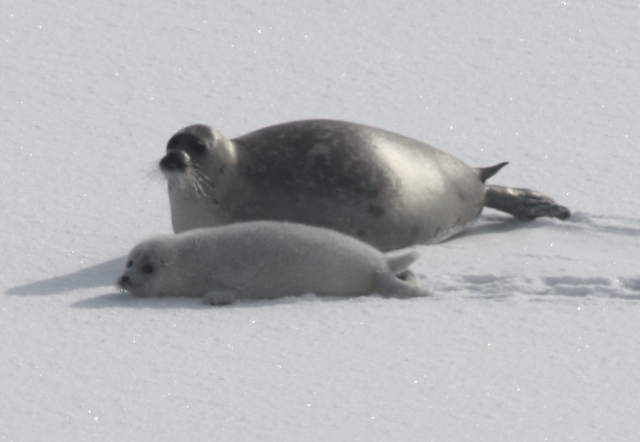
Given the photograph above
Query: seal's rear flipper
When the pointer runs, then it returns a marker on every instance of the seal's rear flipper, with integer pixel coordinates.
(400, 260)
(386, 284)
(408, 276)
(524, 204)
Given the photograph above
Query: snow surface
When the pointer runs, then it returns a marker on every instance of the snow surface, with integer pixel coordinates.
(534, 332)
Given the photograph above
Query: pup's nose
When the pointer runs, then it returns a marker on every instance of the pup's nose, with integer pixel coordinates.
(123, 281)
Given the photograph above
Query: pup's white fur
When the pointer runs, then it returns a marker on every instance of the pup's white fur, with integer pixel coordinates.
(264, 260)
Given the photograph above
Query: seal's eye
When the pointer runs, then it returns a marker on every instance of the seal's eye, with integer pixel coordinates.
(197, 146)
(147, 268)
(129, 263)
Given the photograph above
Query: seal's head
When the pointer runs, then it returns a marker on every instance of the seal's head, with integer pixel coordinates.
(188, 152)
(198, 166)
(143, 269)
(196, 158)
(187, 145)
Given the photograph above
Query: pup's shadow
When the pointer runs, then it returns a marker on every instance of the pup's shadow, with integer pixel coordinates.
(99, 275)
(127, 301)
(495, 222)
(104, 275)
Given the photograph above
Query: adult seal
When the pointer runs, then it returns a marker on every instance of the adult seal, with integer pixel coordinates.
(383, 188)
(265, 260)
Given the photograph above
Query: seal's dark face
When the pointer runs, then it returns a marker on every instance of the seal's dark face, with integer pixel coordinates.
(186, 147)
(174, 161)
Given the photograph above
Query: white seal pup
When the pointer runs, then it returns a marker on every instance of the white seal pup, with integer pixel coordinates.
(383, 188)
(265, 260)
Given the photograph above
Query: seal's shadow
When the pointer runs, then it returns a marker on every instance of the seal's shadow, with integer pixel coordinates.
(493, 222)
(99, 275)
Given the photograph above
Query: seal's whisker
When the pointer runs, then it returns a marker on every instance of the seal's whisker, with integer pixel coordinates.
(154, 173)
(202, 179)
(197, 186)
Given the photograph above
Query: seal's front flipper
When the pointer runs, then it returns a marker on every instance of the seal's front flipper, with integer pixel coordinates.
(220, 297)
(524, 204)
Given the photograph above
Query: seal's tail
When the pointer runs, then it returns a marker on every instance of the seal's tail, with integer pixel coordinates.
(487, 172)
(400, 260)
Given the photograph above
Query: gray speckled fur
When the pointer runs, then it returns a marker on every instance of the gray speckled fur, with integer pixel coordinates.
(383, 188)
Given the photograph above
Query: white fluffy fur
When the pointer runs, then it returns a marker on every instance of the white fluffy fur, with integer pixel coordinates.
(264, 260)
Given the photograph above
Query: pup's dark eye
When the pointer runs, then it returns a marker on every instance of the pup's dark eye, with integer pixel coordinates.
(129, 264)
(147, 268)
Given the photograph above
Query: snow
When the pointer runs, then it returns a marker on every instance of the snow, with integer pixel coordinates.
(533, 334)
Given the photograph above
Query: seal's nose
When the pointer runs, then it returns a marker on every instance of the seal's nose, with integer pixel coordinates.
(174, 161)
(123, 281)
